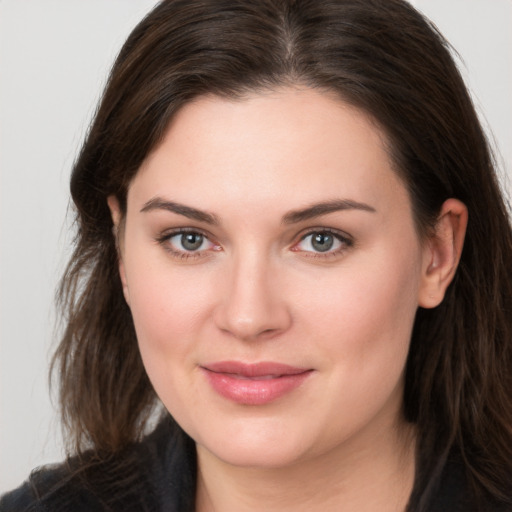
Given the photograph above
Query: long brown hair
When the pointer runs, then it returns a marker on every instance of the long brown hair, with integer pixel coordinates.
(381, 56)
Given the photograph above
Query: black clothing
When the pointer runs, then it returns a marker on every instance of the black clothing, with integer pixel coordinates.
(158, 475)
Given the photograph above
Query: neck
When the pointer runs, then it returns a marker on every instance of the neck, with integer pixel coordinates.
(362, 477)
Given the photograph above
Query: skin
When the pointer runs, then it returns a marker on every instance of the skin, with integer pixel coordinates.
(258, 290)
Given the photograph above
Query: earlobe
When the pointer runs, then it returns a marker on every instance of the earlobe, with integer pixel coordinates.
(115, 212)
(442, 253)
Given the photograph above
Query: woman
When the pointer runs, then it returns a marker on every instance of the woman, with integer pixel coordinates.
(274, 245)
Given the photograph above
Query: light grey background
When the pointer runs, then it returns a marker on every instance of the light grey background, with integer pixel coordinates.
(54, 56)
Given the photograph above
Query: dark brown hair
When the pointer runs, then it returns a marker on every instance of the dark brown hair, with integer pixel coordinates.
(381, 56)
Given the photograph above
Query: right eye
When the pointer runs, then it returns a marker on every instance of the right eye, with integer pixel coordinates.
(187, 244)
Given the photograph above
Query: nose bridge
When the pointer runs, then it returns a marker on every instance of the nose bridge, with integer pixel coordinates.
(252, 304)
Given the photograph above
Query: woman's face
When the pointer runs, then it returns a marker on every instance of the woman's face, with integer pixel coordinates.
(273, 270)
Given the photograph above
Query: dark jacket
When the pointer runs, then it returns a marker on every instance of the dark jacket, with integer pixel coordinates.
(156, 475)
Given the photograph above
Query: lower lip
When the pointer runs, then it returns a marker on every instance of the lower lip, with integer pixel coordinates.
(249, 391)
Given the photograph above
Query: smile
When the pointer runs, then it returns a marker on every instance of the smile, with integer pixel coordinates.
(254, 384)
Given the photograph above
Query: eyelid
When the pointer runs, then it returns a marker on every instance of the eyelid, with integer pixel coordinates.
(344, 238)
(164, 237)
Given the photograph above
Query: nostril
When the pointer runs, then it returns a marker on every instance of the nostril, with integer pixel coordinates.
(259, 327)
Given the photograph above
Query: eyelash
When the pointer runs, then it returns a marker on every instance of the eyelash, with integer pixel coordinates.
(164, 240)
(345, 242)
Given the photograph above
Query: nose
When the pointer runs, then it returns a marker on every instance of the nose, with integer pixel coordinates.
(252, 305)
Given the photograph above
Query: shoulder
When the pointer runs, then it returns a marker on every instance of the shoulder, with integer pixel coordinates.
(22, 499)
(455, 494)
(155, 474)
(49, 489)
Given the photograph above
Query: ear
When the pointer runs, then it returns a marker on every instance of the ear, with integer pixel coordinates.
(442, 253)
(117, 216)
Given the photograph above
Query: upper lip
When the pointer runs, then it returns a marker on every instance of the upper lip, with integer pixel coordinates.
(262, 369)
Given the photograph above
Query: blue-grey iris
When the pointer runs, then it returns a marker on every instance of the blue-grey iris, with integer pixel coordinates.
(191, 241)
(322, 242)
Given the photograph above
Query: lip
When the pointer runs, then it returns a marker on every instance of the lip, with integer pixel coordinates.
(254, 384)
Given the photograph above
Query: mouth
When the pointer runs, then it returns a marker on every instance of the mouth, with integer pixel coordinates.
(254, 384)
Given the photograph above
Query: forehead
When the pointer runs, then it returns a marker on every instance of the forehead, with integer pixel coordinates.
(290, 143)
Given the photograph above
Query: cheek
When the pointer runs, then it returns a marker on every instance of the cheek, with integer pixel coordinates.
(364, 317)
(166, 307)
(167, 310)
(362, 327)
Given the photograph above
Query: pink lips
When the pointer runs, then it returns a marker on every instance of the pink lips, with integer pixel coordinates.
(253, 384)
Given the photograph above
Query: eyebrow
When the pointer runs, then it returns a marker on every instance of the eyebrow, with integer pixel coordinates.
(293, 217)
(316, 210)
(157, 203)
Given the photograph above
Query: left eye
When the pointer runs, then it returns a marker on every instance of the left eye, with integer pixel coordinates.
(321, 241)
(189, 242)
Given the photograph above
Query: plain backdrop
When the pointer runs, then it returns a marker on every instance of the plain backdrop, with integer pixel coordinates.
(54, 57)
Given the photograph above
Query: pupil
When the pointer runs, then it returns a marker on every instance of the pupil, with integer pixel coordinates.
(191, 241)
(322, 242)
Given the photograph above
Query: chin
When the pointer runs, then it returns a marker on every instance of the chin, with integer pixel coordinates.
(257, 457)
(260, 445)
